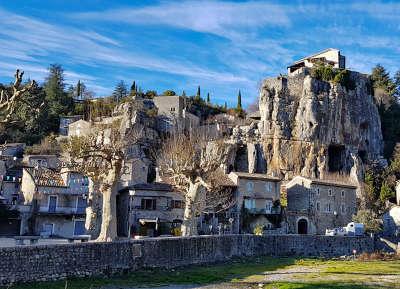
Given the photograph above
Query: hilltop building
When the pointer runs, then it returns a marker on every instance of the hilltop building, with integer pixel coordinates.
(329, 56)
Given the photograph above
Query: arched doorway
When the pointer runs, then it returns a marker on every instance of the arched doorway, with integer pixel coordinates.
(302, 226)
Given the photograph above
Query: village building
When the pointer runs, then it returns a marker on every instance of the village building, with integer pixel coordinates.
(153, 209)
(79, 128)
(12, 149)
(314, 205)
(257, 201)
(46, 161)
(173, 114)
(54, 203)
(65, 121)
(329, 56)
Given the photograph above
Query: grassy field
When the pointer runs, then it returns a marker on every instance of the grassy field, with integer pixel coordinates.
(264, 272)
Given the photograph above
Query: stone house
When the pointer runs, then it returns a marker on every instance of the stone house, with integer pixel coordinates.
(315, 205)
(173, 114)
(46, 161)
(153, 209)
(329, 56)
(54, 203)
(65, 121)
(257, 201)
(12, 149)
(79, 128)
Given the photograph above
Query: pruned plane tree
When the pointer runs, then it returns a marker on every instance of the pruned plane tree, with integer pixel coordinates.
(193, 167)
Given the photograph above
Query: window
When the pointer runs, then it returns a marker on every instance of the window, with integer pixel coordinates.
(172, 109)
(79, 227)
(268, 187)
(249, 203)
(328, 208)
(343, 209)
(177, 204)
(342, 194)
(330, 193)
(268, 206)
(318, 206)
(148, 204)
(250, 186)
(317, 192)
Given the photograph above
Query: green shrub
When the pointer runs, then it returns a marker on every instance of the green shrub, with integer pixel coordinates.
(326, 72)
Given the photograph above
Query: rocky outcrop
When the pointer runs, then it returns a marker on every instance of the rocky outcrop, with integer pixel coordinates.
(312, 127)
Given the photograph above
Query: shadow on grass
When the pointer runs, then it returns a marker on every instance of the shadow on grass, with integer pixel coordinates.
(321, 285)
(197, 274)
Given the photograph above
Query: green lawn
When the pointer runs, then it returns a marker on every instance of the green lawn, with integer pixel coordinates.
(291, 273)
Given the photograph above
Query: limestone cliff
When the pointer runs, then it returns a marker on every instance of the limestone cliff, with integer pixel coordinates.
(311, 127)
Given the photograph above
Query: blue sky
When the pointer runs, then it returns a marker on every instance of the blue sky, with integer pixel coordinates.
(223, 46)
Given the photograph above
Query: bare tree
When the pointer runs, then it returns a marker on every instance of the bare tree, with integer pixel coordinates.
(101, 157)
(193, 166)
(10, 102)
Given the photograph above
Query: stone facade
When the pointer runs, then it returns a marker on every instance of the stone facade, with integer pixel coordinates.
(259, 196)
(52, 262)
(54, 203)
(317, 205)
(65, 121)
(154, 209)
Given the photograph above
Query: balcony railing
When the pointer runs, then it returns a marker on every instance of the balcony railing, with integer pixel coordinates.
(264, 211)
(62, 211)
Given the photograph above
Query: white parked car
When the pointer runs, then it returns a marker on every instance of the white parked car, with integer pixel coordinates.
(355, 229)
(336, 232)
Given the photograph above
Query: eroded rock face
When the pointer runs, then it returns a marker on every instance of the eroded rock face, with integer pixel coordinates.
(312, 127)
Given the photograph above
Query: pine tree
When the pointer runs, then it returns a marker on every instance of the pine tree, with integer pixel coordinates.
(120, 91)
(239, 101)
(58, 100)
(208, 98)
(198, 95)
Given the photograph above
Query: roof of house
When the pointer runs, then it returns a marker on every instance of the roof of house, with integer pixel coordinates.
(254, 176)
(313, 55)
(255, 114)
(45, 177)
(335, 183)
(152, 187)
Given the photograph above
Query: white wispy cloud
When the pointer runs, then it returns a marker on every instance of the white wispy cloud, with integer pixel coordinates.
(225, 19)
(25, 38)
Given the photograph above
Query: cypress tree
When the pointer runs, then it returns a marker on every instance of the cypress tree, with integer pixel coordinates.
(197, 97)
(133, 89)
(239, 101)
(78, 90)
(225, 106)
(208, 97)
(183, 94)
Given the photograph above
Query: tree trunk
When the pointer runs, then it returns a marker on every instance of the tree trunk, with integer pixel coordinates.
(189, 225)
(93, 211)
(109, 190)
(108, 230)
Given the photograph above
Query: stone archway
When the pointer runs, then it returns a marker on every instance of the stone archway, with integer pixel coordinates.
(302, 226)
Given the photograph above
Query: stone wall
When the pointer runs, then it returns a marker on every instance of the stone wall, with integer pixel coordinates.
(23, 264)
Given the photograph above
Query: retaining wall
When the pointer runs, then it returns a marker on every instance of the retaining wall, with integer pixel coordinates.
(52, 262)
